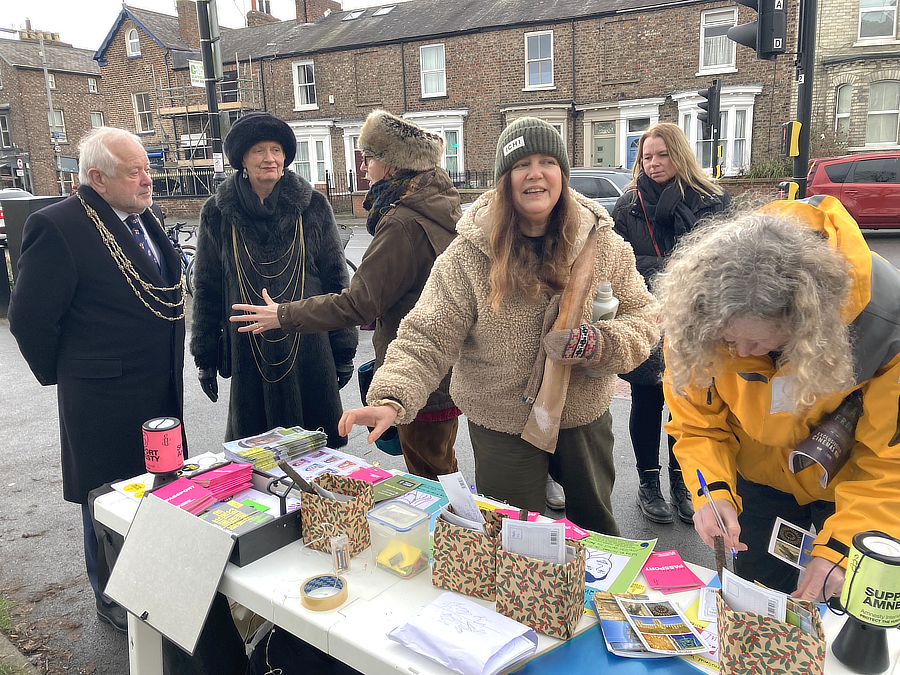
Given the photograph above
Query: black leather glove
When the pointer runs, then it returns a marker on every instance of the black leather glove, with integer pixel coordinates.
(208, 383)
(344, 373)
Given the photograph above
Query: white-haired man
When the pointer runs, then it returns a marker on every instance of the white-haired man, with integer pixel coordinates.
(98, 311)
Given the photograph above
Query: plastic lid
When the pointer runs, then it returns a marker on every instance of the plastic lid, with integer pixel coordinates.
(398, 515)
(604, 289)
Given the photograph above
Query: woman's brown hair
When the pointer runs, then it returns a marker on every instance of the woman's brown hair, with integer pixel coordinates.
(515, 265)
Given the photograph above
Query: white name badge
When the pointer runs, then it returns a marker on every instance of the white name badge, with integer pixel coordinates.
(781, 388)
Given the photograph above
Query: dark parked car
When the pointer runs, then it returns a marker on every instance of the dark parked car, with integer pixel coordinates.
(867, 185)
(10, 193)
(602, 184)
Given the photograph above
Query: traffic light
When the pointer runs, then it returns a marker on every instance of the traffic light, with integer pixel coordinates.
(768, 34)
(710, 116)
(790, 139)
(787, 189)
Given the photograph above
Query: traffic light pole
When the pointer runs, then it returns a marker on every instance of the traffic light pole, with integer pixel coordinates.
(806, 48)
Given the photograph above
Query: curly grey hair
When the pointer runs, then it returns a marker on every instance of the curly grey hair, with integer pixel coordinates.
(766, 267)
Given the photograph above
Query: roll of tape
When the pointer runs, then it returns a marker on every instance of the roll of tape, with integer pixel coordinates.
(324, 592)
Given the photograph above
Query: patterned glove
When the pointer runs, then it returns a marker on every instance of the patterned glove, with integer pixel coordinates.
(573, 347)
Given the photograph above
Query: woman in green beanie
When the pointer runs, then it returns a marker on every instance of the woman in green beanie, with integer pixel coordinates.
(484, 311)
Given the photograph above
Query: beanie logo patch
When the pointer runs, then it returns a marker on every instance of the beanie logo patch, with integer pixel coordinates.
(513, 144)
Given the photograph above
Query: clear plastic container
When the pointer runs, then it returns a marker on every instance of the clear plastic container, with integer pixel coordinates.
(399, 538)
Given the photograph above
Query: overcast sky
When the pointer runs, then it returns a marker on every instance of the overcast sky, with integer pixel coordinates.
(85, 24)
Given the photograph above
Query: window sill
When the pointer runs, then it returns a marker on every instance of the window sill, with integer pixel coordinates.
(146, 133)
(870, 147)
(544, 87)
(704, 72)
(133, 56)
(871, 42)
(429, 97)
(306, 107)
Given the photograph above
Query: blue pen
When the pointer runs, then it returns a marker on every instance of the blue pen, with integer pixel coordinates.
(705, 489)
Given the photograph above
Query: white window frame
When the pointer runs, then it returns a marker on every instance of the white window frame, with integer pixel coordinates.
(715, 20)
(92, 85)
(312, 133)
(132, 43)
(731, 100)
(58, 126)
(440, 122)
(93, 125)
(384, 10)
(893, 111)
(51, 80)
(538, 87)
(295, 74)
(442, 71)
(355, 14)
(839, 116)
(5, 136)
(886, 8)
(138, 113)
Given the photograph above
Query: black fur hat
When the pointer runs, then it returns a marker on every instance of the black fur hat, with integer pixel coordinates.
(399, 143)
(254, 127)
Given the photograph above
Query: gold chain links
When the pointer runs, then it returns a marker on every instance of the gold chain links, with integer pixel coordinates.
(132, 276)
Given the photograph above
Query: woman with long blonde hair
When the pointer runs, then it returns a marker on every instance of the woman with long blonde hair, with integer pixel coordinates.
(486, 310)
(668, 195)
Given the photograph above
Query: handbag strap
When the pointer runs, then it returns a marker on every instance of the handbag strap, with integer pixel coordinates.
(649, 226)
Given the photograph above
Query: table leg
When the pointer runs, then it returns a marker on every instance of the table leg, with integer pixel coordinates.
(144, 648)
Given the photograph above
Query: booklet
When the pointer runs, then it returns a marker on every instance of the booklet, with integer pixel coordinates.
(662, 627)
(235, 517)
(665, 571)
(612, 563)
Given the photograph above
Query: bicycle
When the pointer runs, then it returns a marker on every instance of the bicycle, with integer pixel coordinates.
(185, 252)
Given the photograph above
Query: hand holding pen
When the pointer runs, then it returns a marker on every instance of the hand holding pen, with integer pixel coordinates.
(724, 520)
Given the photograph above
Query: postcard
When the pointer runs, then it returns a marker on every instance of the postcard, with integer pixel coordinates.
(662, 627)
(791, 544)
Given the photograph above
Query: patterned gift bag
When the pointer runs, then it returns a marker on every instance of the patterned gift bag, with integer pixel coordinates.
(545, 596)
(325, 518)
(751, 643)
(465, 561)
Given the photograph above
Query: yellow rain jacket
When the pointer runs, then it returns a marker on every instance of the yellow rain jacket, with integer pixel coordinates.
(739, 424)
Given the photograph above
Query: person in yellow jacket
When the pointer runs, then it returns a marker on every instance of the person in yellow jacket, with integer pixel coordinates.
(772, 320)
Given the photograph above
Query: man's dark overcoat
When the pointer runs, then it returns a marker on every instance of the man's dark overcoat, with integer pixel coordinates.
(80, 325)
(277, 379)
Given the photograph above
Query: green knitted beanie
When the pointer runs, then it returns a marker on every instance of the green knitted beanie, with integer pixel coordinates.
(529, 136)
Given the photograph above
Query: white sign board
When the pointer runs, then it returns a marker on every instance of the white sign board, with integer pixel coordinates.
(197, 77)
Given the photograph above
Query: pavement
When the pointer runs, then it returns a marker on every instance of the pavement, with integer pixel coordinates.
(41, 559)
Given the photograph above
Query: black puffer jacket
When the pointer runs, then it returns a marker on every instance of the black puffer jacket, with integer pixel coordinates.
(629, 222)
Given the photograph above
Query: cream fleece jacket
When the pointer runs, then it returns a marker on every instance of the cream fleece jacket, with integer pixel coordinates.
(493, 354)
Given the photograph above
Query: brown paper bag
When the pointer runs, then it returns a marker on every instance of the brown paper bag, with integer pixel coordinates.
(465, 561)
(752, 643)
(326, 518)
(545, 596)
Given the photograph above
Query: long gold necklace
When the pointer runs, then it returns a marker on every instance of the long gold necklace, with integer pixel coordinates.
(251, 295)
(132, 276)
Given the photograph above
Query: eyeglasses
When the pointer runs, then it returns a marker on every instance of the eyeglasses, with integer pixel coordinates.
(366, 159)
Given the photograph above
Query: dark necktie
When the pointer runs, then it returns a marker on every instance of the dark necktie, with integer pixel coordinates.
(134, 224)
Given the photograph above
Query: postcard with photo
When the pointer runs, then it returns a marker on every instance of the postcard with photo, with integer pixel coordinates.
(662, 626)
(620, 639)
(791, 544)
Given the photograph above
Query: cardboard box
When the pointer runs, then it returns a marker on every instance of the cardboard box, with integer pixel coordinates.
(545, 596)
(465, 561)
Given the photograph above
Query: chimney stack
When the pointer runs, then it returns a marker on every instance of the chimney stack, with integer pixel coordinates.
(309, 11)
(188, 29)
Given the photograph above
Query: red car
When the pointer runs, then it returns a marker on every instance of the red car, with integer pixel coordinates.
(867, 185)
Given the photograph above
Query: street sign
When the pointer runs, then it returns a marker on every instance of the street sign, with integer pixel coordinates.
(197, 77)
(20, 172)
(57, 148)
(20, 163)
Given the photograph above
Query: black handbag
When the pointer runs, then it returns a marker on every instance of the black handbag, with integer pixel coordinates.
(223, 358)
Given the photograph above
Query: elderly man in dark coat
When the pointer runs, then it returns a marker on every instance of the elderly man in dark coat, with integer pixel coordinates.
(98, 310)
(267, 228)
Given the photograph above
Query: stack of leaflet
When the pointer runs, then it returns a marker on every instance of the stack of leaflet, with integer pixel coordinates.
(279, 444)
(226, 480)
(665, 571)
(186, 494)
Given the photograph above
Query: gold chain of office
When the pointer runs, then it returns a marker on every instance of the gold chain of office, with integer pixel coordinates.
(295, 266)
(132, 276)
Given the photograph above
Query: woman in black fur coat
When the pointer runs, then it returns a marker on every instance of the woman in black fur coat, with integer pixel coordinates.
(268, 228)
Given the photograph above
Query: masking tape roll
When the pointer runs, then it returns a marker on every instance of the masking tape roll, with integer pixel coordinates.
(323, 592)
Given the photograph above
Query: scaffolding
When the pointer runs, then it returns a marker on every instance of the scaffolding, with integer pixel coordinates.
(188, 146)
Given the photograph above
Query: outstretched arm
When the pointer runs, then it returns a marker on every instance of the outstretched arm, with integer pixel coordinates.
(259, 318)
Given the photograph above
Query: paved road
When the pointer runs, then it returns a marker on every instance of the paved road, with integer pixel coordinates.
(41, 563)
